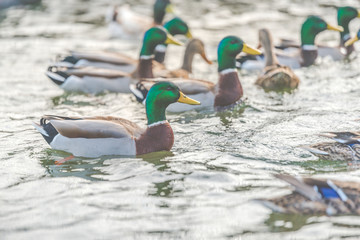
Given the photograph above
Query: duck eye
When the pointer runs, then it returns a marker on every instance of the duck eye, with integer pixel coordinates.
(233, 41)
(169, 88)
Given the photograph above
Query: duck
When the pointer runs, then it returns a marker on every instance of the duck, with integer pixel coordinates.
(351, 41)
(106, 135)
(275, 77)
(125, 23)
(303, 57)
(345, 148)
(312, 196)
(344, 16)
(96, 80)
(119, 61)
(228, 90)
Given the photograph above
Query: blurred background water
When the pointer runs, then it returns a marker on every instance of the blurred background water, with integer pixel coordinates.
(203, 188)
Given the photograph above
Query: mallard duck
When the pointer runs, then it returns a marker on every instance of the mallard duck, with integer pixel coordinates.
(317, 197)
(344, 16)
(119, 61)
(351, 41)
(125, 23)
(226, 92)
(304, 57)
(275, 77)
(97, 136)
(346, 147)
(94, 80)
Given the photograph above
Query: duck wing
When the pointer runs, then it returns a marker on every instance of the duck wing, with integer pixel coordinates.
(104, 56)
(93, 127)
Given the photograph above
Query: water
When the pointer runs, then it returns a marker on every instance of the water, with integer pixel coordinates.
(203, 188)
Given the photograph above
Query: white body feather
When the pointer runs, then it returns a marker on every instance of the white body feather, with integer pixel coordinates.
(206, 100)
(95, 85)
(94, 147)
(86, 63)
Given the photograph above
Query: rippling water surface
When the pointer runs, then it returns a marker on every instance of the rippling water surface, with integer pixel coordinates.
(220, 161)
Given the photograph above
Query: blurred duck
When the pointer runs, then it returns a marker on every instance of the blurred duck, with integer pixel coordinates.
(344, 16)
(275, 77)
(9, 3)
(349, 43)
(226, 92)
(317, 197)
(119, 61)
(303, 57)
(97, 136)
(95, 80)
(345, 148)
(124, 23)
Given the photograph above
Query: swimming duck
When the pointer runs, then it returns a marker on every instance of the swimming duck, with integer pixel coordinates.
(119, 61)
(97, 136)
(125, 23)
(344, 16)
(345, 148)
(304, 57)
(227, 91)
(94, 80)
(351, 41)
(275, 77)
(317, 197)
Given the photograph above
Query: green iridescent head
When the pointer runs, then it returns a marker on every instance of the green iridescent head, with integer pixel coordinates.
(155, 36)
(228, 48)
(160, 8)
(312, 26)
(160, 96)
(178, 26)
(344, 16)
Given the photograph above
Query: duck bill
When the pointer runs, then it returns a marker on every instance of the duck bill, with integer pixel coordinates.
(171, 40)
(185, 99)
(203, 55)
(249, 50)
(351, 41)
(188, 35)
(335, 28)
(169, 8)
(358, 14)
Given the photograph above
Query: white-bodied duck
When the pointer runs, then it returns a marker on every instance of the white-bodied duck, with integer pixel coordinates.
(303, 57)
(95, 80)
(97, 136)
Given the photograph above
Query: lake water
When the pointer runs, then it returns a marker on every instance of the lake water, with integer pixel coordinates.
(220, 162)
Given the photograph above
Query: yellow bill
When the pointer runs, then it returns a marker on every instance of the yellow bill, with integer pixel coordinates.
(171, 40)
(335, 28)
(189, 35)
(358, 13)
(169, 8)
(185, 99)
(351, 41)
(249, 50)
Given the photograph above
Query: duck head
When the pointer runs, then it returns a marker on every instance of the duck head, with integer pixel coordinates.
(160, 96)
(178, 26)
(351, 41)
(228, 48)
(344, 16)
(155, 36)
(160, 8)
(314, 25)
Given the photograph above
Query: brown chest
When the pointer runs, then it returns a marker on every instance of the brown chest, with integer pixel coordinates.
(308, 57)
(229, 90)
(155, 138)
